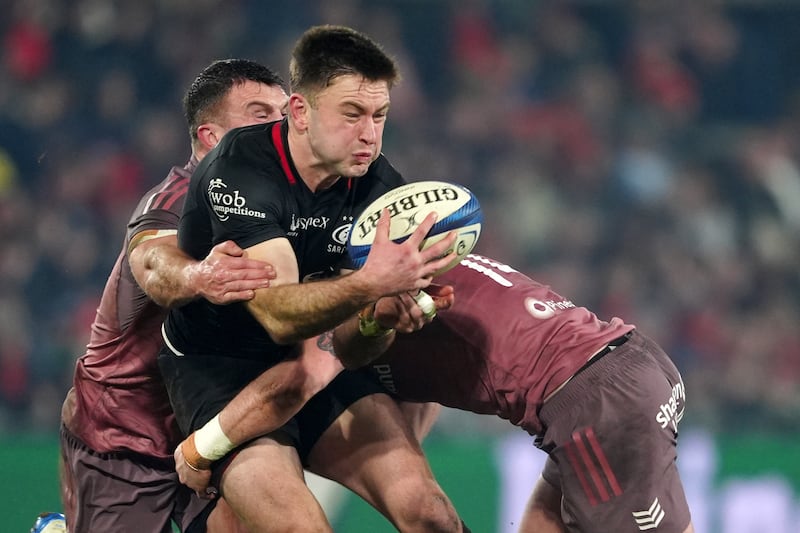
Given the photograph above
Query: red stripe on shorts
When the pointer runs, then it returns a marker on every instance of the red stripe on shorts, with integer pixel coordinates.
(569, 447)
(603, 460)
(590, 466)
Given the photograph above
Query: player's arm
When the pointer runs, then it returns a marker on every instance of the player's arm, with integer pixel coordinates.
(365, 337)
(170, 277)
(291, 311)
(263, 406)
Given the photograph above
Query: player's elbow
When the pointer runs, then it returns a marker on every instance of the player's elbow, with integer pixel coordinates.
(353, 358)
(296, 388)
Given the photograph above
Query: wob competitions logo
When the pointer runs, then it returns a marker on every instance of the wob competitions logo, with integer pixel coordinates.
(226, 203)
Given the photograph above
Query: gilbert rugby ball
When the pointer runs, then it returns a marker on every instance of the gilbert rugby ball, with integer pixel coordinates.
(457, 209)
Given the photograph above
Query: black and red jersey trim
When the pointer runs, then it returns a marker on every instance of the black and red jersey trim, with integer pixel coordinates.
(280, 147)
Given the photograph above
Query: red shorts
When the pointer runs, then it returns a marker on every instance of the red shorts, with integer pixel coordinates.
(611, 435)
(119, 493)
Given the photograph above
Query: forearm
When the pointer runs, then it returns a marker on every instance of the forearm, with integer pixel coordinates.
(164, 271)
(265, 404)
(357, 344)
(261, 407)
(293, 312)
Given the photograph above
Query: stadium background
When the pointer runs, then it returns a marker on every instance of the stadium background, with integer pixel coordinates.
(642, 157)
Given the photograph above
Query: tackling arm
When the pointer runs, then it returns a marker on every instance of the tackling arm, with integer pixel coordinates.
(172, 278)
(364, 338)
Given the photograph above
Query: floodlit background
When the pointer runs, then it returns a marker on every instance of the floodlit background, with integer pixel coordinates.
(640, 156)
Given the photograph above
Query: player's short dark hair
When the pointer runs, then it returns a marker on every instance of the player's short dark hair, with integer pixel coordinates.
(324, 53)
(201, 102)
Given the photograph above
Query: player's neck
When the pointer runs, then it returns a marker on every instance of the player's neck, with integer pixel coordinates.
(312, 170)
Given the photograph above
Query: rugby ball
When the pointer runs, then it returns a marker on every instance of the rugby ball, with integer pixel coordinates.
(50, 523)
(457, 209)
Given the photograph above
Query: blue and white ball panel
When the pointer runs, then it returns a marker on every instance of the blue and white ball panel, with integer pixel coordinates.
(408, 205)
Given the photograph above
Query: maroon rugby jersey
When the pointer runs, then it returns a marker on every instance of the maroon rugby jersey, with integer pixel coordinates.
(507, 343)
(121, 402)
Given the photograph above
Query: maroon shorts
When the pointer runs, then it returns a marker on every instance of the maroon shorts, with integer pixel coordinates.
(119, 493)
(611, 435)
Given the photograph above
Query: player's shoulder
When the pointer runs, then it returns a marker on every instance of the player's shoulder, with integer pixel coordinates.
(482, 270)
(249, 149)
(167, 195)
(238, 139)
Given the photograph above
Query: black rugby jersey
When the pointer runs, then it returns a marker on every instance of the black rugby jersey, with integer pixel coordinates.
(248, 190)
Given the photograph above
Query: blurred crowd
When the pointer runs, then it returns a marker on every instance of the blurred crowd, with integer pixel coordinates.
(641, 157)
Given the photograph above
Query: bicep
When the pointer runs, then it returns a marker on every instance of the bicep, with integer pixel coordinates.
(280, 254)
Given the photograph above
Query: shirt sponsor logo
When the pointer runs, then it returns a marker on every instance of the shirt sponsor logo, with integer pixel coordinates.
(304, 223)
(546, 309)
(385, 376)
(225, 203)
(671, 412)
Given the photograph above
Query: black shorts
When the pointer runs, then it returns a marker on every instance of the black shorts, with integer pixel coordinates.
(200, 386)
(611, 435)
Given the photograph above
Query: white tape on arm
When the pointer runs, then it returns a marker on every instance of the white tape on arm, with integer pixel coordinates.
(211, 442)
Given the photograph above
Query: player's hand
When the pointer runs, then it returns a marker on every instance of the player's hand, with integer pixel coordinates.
(407, 312)
(196, 479)
(444, 296)
(226, 275)
(397, 268)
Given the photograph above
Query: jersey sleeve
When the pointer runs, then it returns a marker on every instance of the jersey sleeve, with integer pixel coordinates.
(158, 219)
(161, 207)
(244, 199)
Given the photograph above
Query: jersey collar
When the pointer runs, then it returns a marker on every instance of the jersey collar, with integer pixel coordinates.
(279, 141)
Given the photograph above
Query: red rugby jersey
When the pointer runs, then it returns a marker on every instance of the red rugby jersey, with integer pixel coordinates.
(507, 343)
(121, 403)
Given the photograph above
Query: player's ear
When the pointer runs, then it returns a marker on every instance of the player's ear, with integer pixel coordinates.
(209, 134)
(298, 111)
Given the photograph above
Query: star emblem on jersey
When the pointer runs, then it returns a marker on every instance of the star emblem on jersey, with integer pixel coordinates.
(650, 518)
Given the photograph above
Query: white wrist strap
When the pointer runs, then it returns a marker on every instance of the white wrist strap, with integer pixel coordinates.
(211, 442)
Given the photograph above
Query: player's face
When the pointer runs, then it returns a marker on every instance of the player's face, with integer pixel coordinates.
(251, 103)
(345, 124)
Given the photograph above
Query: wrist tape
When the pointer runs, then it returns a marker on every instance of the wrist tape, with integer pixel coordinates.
(206, 445)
